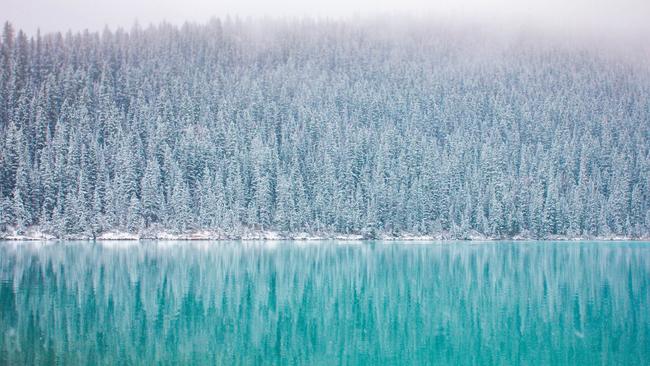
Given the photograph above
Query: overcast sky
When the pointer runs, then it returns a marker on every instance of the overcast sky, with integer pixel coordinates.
(631, 16)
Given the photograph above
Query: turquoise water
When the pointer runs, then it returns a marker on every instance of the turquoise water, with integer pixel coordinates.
(326, 303)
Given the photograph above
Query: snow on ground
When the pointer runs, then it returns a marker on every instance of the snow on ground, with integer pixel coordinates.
(409, 237)
(34, 234)
(304, 237)
(29, 234)
(117, 235)
(197, 235)
(348, 237)
(261, 235)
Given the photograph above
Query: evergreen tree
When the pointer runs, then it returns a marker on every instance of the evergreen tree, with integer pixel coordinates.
(199, 127)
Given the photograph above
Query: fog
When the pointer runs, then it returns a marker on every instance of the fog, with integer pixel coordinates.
(606, 17)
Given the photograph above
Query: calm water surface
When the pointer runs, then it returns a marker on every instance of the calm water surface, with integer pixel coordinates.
(367, 303)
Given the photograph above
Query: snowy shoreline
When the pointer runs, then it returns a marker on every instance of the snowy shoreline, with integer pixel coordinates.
(33, 235)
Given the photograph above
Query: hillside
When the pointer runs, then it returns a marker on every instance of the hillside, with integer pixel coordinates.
(321, 127)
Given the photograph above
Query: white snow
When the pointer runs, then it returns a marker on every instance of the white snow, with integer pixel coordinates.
(304, 236)
(117, 235)
(28, 234)
(34, 234)
(348, 237)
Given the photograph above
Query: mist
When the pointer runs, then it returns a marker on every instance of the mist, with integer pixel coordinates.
(612, 18)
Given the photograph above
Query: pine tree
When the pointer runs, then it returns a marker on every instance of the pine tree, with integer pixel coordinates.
(231, 137)
(284, 212)
(134, 219)
(151, 193)
(20, 213)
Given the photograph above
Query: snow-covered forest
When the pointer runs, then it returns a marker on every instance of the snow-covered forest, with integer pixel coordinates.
(321, 127)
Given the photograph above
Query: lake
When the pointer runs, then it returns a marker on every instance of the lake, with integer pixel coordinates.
(351, 303)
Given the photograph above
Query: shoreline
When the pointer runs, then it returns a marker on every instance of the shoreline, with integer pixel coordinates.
(276, 236)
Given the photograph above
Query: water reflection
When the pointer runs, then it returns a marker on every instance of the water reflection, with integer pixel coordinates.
(325, 303)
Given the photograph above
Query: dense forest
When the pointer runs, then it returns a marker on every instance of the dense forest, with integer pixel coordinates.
(371, 128)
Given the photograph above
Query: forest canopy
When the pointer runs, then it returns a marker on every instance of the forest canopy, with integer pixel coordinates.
(321, 127)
